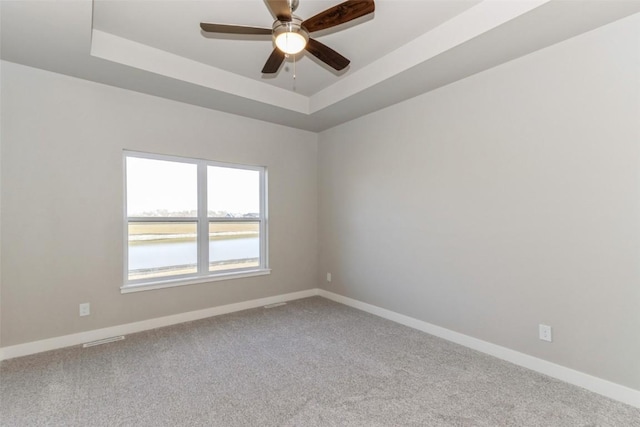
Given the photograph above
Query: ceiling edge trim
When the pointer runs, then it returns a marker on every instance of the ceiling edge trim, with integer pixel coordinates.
(475, 21)
(137, 55)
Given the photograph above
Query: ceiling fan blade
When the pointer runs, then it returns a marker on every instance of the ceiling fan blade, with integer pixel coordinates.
(327, 55)
(280, 9)
(234, 29)
(274, 62)
(344, 12)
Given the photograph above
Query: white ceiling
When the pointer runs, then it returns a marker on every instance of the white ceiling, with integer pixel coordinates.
(407, 47)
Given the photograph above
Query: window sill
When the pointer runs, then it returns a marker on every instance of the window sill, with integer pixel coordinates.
(161, 284)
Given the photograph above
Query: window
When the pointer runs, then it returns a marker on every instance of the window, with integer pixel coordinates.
(191, 220)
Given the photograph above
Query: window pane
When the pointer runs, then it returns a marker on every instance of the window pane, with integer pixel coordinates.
(233, 192)
(162, 249)
(161, 188)
(234, 245)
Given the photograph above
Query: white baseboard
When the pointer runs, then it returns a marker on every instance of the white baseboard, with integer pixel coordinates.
(130, 328)
(597, 385)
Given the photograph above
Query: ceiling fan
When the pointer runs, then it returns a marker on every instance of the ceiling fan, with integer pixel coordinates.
(291, 34)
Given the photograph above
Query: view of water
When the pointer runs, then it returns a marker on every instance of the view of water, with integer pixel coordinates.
(182, 253)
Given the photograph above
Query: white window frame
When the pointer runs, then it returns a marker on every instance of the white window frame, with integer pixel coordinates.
(202, 221)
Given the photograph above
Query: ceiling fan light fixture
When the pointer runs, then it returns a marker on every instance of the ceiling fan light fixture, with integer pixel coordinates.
(289, 36)
(290, 42)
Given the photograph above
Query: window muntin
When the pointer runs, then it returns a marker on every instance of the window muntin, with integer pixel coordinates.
(209, 222)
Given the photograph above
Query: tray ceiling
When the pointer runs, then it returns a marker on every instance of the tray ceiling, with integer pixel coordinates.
(407, 47)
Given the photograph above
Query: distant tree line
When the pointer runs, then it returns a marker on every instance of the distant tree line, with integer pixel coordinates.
(193, 213)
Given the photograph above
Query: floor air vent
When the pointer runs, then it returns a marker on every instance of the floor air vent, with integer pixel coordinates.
(104, 341)
(278, 304)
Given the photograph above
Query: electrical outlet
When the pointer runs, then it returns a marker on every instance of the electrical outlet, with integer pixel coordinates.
(85, 309)
(328, 277)
(545, 332)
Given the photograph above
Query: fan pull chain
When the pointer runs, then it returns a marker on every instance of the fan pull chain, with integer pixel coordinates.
(294, 73)
(291, 9)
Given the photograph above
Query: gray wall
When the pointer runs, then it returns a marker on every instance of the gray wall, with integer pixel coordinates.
(62, 197)
(505, 200)
(499, 202)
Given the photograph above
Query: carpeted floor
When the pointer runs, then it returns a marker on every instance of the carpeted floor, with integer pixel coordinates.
(311, 362)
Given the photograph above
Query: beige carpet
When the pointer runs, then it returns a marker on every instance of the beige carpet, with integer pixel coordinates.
(311, 362)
